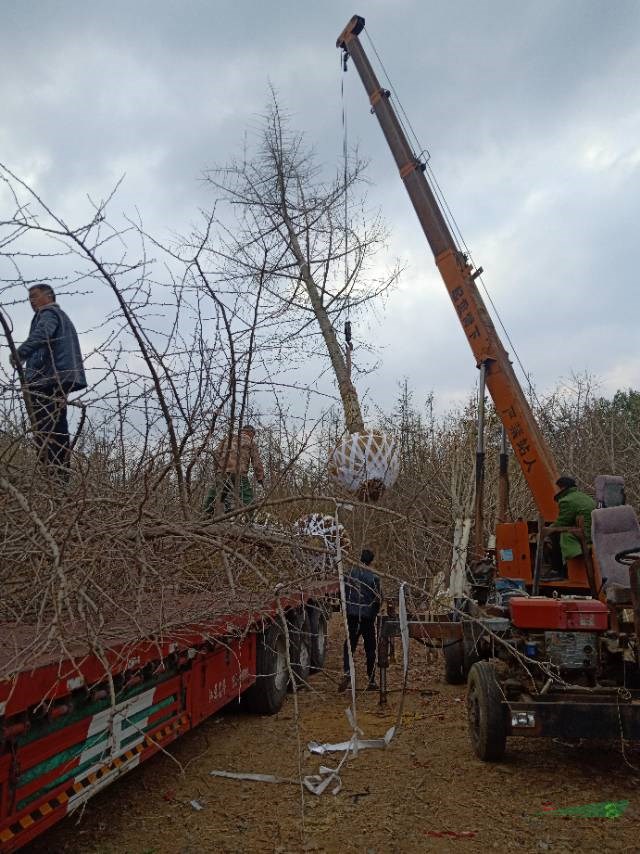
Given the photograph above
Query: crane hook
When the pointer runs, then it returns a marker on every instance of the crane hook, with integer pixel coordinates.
(347, 334)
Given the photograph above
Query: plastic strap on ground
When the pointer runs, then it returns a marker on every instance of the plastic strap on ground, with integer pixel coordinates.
(318, 783)
(360, 743)
(315, 783)
(354, 744)
(254, 778)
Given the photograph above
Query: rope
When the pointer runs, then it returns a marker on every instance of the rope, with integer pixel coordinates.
(345, 175)
(345, 159)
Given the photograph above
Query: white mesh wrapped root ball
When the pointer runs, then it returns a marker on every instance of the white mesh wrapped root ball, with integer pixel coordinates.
(324, 528)
(366, 463)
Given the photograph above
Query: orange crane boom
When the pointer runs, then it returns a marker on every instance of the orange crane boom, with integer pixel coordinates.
(528, 443)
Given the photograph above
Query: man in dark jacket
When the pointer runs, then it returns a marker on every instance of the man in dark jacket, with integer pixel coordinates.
(571, 504)
(53, 368)
(363, 599)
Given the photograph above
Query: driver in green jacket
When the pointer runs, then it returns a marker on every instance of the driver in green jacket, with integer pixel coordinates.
(571, 504)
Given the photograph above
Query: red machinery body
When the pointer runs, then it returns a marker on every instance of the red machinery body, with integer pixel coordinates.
(540, 612)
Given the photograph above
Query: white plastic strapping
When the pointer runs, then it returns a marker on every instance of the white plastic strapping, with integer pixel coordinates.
(360, 458)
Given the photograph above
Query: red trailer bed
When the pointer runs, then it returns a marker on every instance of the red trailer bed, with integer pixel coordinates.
(77, 712)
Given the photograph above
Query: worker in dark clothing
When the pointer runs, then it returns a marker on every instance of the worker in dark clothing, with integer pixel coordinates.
(363, 594)
(571, 504)
(53, 368)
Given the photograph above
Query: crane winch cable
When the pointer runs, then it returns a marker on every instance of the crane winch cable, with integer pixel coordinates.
(345, 178)
(407, 127)
(447, 213)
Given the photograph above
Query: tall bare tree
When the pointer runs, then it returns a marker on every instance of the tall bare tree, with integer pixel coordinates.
(306, 240)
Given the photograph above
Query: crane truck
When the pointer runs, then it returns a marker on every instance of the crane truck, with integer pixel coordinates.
(565, 663)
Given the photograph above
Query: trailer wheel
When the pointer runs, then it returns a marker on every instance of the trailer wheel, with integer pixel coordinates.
(486, 715)
(318, 630)
(454, 663)
(300, 646)
(266, 695)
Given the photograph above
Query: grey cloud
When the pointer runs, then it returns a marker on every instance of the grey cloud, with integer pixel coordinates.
(508, 99)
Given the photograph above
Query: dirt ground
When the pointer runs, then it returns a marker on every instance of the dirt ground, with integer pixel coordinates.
(427, 782)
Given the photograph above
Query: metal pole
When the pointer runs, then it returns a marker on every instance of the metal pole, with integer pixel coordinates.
(478, 537)
(503, 479)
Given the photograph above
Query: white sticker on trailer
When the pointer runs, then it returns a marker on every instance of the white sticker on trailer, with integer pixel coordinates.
(126, 709)
(115, 724)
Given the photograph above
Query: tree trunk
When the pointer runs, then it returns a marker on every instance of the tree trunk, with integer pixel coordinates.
(348, 394)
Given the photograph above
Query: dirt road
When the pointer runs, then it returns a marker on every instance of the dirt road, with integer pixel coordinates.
(410, 797)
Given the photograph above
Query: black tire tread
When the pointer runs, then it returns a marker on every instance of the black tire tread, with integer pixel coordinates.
(489, 733)
(299, 634)
(317, 617)
(263, 697)
(454, 669)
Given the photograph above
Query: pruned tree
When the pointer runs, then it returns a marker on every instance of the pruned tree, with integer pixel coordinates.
(283, 225)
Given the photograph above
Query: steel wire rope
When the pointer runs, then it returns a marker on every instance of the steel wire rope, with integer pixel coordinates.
(407, 127)
(345, 162)
(448, 214)
(345, 174)
(467, 250)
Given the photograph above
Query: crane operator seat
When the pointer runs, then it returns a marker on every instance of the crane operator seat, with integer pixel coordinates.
(609, 490)
(614, 527)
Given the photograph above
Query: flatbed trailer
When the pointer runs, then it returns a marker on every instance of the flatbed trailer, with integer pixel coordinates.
(73, 722)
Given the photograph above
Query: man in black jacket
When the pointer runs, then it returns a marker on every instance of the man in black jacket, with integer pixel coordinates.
(53, 369)
(363, 595)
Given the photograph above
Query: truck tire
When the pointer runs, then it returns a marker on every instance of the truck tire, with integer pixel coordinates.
(454, 663)
(300, 646)
(318, 630)
(486, 714)
(266, 695)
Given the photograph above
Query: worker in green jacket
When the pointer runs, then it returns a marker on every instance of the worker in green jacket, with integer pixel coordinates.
(571, 504)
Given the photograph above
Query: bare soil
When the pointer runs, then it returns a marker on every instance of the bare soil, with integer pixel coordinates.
(426, 783)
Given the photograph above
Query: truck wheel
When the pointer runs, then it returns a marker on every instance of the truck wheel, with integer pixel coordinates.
(266, 695)
(454, 663)
(486, 714)
(318, 629)
(300, 646)
(470, 656)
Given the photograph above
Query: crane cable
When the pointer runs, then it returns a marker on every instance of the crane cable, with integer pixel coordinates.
(446, 211)
(345, 177)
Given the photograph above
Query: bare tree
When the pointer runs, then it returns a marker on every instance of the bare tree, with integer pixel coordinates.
(289, 236)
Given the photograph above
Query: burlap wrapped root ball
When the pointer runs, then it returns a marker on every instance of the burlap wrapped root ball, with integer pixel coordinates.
(365, 464)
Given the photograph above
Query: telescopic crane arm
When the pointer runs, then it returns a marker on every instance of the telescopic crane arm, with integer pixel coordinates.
(528, 443)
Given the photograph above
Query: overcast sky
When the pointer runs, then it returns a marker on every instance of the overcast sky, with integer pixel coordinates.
(530, 112)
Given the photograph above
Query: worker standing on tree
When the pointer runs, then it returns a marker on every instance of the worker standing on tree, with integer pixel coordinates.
(53, 369)
(571, 504)
(363, 594)
(233, 456)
